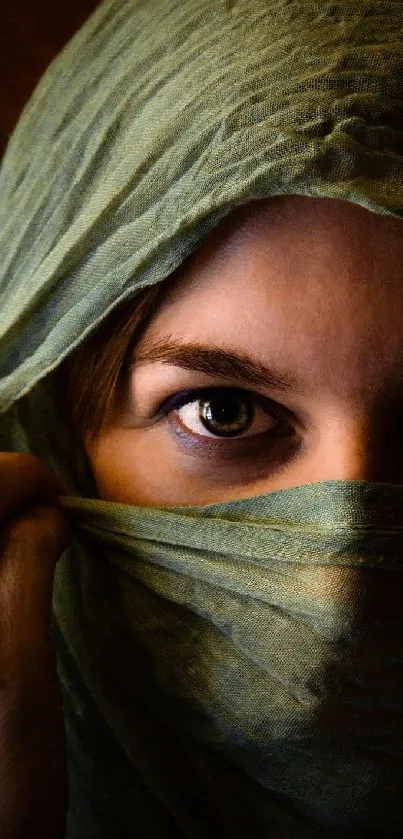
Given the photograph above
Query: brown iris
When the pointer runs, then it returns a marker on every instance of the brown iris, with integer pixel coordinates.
(226, 415)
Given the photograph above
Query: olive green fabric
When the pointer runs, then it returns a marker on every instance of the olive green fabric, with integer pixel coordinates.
(232, 670)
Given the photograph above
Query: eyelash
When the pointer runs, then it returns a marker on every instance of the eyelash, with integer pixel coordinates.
(186, 397)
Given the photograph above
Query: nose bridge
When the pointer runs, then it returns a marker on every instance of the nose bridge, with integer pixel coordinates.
(358, 445)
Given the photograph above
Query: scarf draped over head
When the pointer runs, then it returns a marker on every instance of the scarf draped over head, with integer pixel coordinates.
(234, 669)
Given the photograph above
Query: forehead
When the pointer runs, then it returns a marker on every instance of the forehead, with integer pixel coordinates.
(312, 229)
(311, 283)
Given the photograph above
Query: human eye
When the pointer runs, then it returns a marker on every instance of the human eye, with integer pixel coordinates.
(223, 413)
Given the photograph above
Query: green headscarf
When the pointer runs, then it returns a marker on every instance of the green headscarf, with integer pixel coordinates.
(236, 669)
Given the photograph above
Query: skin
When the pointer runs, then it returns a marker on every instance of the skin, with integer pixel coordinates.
(311, 288)
(33, 765)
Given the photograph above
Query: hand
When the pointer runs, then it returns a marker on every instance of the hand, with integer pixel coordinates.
(34, 532)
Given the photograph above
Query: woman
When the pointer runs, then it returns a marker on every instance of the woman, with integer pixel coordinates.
(225, 444)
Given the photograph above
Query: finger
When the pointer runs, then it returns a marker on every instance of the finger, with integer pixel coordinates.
(25, 479)
(30, 546)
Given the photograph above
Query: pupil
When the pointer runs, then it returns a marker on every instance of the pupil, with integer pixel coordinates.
(225, 415)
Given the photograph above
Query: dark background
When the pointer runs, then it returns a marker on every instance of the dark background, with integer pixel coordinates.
(32, 32)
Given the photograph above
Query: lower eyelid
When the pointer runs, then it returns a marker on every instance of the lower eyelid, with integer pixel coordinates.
(203, 446)
(243, 449)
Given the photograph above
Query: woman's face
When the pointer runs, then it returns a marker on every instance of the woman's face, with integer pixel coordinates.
(289, 318)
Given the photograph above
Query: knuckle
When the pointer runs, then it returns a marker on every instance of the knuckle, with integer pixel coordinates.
(25, 481)
(18, 459)
(43, 527)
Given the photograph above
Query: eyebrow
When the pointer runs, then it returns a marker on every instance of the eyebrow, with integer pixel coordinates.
(216, 361)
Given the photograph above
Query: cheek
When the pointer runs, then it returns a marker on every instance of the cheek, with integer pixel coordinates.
(111, 464)
(129, 470)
